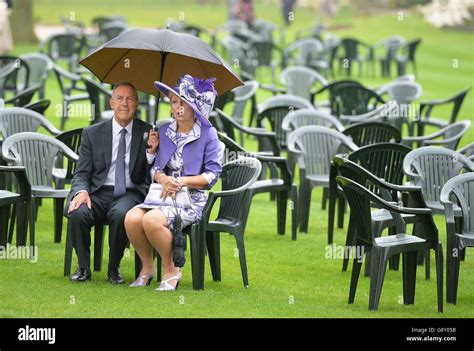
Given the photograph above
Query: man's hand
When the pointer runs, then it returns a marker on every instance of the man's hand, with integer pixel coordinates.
(78, 200)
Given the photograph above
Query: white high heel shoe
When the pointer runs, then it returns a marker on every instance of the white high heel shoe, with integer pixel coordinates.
(166, 286)
(143, 280)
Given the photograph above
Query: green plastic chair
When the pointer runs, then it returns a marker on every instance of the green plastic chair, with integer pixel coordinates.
(382, 248)
(457, 191)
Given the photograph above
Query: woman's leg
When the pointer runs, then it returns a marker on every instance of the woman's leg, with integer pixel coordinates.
(136, 235)
(156, 229)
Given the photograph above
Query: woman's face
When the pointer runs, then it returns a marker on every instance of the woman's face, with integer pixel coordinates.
(181, 111)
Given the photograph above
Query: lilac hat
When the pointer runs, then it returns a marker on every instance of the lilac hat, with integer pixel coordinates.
(199, 94)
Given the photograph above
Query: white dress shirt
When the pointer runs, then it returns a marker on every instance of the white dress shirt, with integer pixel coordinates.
(116, 128)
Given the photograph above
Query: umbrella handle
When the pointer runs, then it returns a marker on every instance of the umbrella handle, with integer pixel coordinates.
(146, 135)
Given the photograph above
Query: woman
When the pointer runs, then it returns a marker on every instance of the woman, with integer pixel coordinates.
(189, 155)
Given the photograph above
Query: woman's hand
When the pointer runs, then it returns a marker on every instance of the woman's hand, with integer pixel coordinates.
(153, 141)
(170, 185)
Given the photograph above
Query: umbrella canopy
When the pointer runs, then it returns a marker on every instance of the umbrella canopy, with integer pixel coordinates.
(142, 56)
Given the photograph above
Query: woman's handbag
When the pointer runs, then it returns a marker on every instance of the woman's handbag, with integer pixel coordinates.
(183, 198)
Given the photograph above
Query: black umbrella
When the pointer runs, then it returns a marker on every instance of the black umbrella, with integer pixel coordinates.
(142, 56)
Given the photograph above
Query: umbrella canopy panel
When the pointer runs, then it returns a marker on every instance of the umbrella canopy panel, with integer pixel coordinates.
(142, 56)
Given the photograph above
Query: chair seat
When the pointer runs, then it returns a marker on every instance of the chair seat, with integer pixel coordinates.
(319, 179)
(7, 197)
(383, 215)
(399, 239)
(438, 208)
(467, 238)
(47, 191)
(221, 224)
(267, 183)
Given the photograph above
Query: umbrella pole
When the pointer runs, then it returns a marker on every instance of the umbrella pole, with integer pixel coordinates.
(162, 68)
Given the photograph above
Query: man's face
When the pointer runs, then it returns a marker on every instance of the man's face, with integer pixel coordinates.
(124, 103)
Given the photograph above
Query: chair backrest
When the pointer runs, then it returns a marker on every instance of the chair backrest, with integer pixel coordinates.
(351, 48)
(264, 28)
(262, 46)
(242, 53)
(451, 135)
(100, 21)
(112, 29)
(401, 91)
(366, 133)
(225, 124)
(39, 106)
(221, 101)
(39, 64)
(335, 85)
(16, 120)
(237, 175)
(64, 46)
(382, 113)
(411, 48)
(384, 160)
(97, 96)
(231, 148)
(310, 117)
(276, 108)
(359, 200)
(462, 188)
(17, 79)
(318, 145)
(430, 167)
(353, 100)
(306, 49)
(456, 100)
(37, 153)
(467, 151)
(299, 80)
(242, 95)
(392, 44)
(72, 139)
(193, 30)
(222, 123)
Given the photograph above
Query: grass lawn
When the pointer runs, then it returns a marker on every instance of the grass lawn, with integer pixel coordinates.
(287, 279)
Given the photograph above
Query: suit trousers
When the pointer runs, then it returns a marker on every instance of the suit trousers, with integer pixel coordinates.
(105, 209)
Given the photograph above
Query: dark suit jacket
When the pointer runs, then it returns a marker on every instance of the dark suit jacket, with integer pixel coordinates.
(95, 155)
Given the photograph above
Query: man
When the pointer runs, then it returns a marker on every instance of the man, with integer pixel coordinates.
(111, 177)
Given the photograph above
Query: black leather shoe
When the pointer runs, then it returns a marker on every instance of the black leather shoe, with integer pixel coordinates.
(81, 275)
(114, 276)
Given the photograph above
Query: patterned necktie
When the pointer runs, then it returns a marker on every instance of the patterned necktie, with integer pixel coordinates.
(119, 188)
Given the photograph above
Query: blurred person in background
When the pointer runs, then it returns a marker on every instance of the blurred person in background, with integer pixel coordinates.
(287, 7)
(243, 10)
(6, 40)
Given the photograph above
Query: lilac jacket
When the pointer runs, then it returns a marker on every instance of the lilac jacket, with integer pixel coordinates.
(201, 155)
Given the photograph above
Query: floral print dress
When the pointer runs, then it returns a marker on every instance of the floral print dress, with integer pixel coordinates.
(174, 168)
